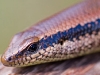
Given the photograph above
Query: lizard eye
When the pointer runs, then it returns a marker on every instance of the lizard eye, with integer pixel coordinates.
(33, 47)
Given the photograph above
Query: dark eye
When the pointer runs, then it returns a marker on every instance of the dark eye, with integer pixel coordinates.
(33, 47)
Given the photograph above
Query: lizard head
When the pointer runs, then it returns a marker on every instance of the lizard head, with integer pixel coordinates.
(21, 49)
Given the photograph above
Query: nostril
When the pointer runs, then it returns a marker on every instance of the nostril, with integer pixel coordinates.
(9, 59)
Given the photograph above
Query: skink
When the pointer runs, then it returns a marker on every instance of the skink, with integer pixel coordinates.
(73, 32)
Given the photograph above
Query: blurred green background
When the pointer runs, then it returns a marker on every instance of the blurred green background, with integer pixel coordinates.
(17, 15)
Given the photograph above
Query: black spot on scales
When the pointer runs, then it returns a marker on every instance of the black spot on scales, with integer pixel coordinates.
(79, 30)
(60, 37)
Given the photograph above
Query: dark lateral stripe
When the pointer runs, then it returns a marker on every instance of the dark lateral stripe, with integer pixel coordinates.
(79, 30)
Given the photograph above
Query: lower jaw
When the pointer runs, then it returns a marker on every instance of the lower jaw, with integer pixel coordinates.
(62, 57)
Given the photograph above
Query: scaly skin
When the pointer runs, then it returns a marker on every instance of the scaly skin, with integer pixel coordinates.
(68, 34)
